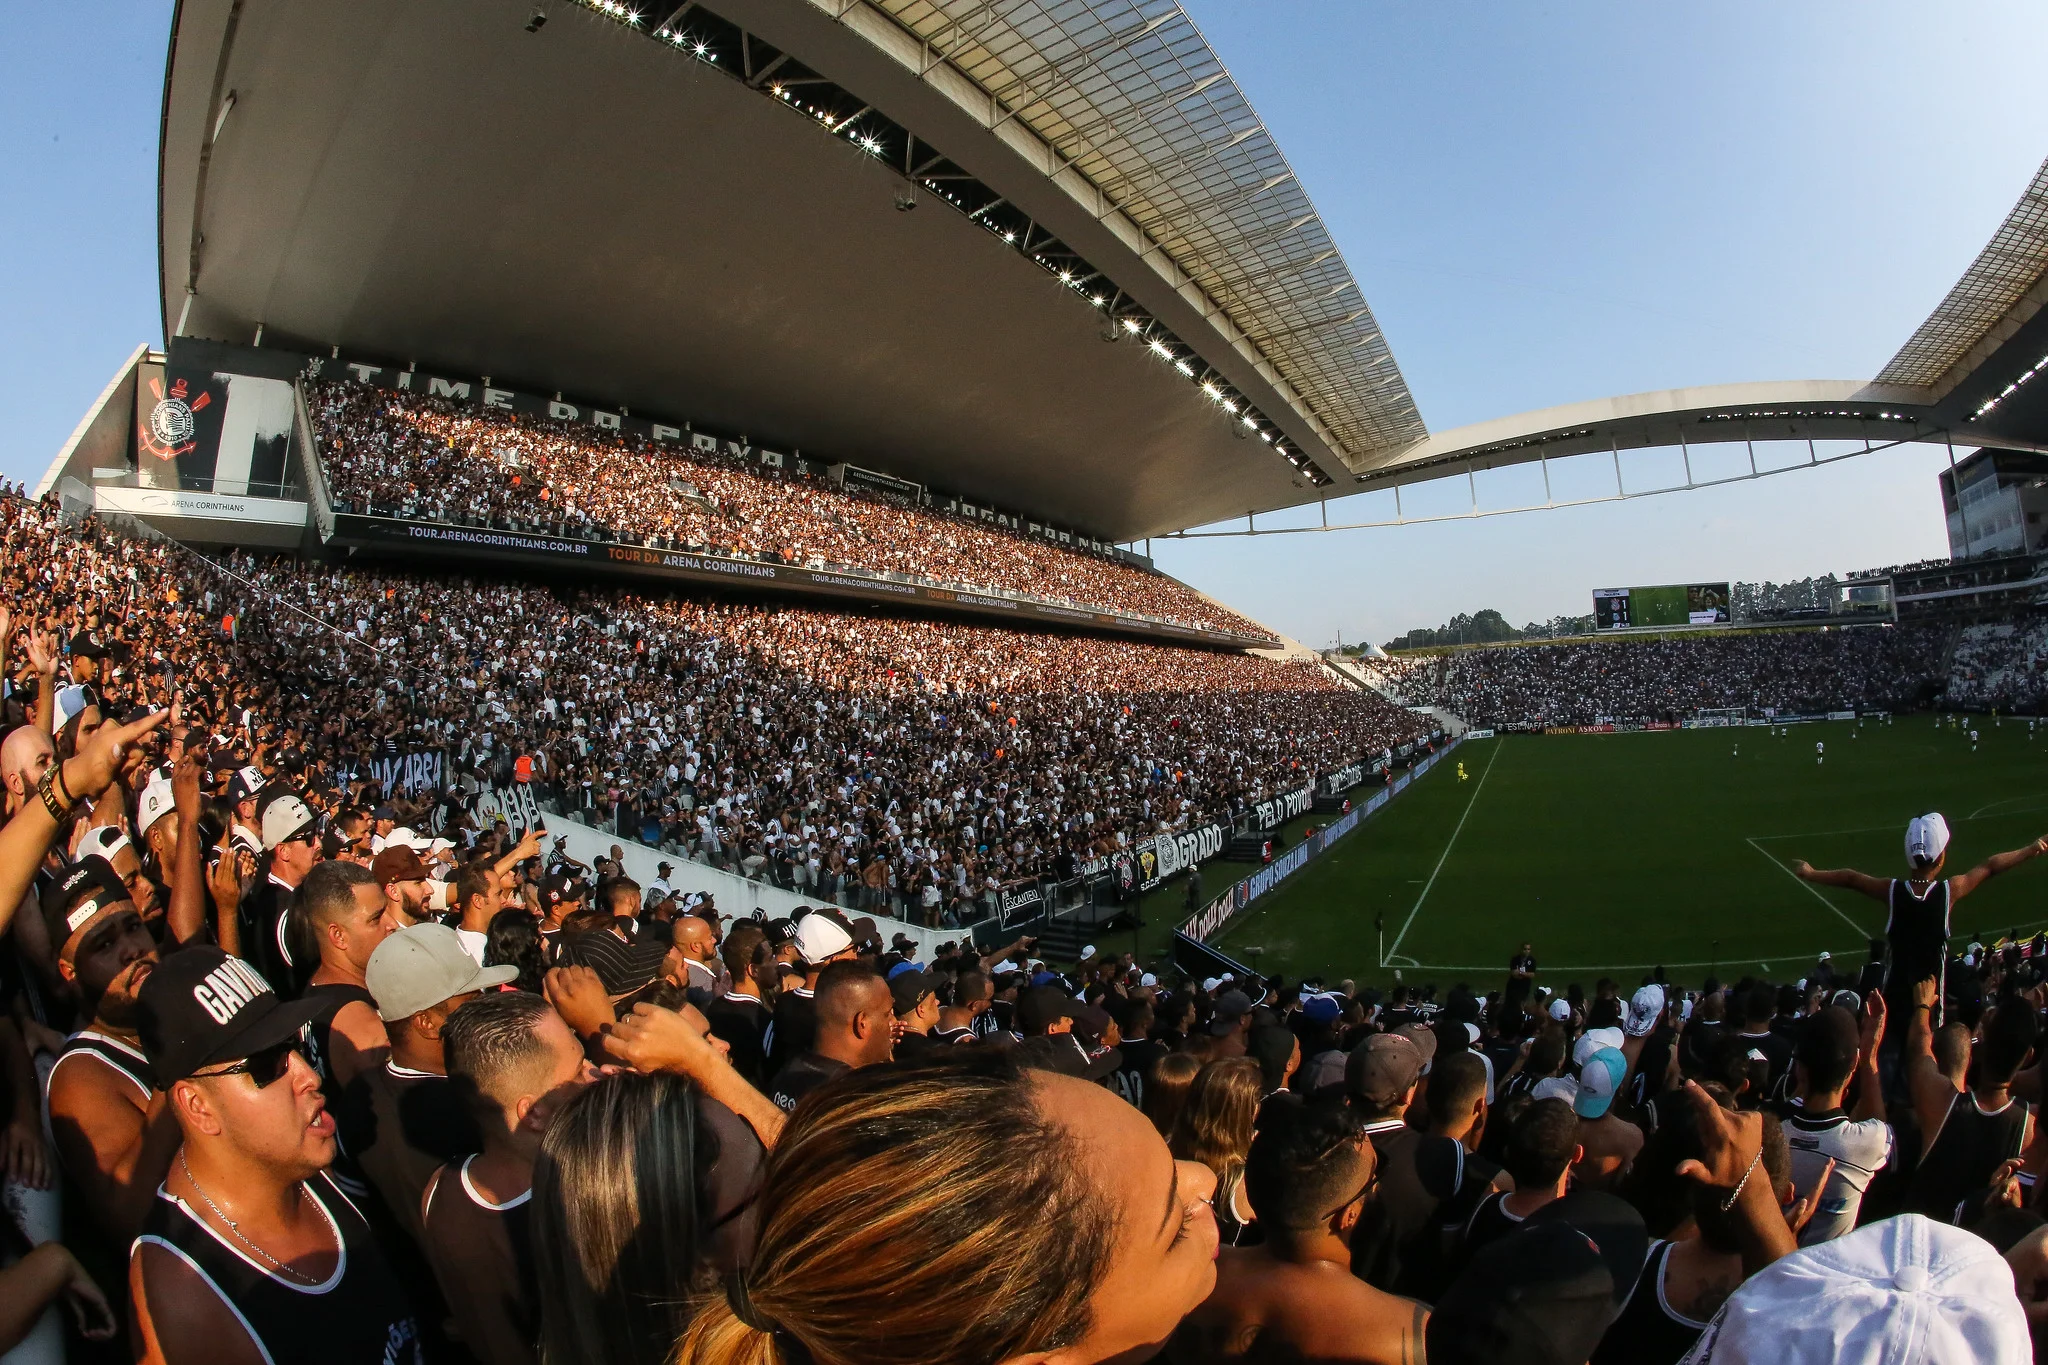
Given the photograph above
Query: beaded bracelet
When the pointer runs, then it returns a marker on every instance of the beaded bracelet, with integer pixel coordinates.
(1736, 1193)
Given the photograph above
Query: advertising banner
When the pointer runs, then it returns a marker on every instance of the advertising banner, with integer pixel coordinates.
(1170, 854)
(1272, 814)
(1344, 779)
(1212, 917)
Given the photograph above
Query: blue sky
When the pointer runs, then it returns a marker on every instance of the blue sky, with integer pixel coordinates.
(1542, 202)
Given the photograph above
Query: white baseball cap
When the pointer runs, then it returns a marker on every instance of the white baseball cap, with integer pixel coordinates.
(1560, 1009)
(1555, 1088)
(1148, 979)
(284, 818)
(153, 805)
(818, 938)
(1211, 983)
(1644, 1009)
(1926, 838)
(1906, 1289)
(1088, 952)
(1593, 1040)
(103, 841)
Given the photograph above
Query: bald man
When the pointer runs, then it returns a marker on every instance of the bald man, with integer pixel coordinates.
(693, 960)
(25, 756)
(856, 1018)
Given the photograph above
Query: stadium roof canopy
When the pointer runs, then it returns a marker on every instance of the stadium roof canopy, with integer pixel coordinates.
(694, 211)
(1967, 376)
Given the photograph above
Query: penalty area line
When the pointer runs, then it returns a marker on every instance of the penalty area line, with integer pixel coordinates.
(1448, 846)
(1834, 909)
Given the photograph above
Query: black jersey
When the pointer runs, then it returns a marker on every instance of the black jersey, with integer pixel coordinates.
(357, 1316)
(318, 1036)
(1649, 1331)
(125, 1058)
(1917, 932)
(1967, 1149)
(483, 1253)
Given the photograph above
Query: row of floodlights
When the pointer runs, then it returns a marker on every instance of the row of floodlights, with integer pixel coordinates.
(2011, 388)
(872, 145)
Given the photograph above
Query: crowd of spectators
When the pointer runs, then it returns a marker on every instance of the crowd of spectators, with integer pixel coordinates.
(908, 766)
(282, 1078)
(434, 459)
(2001, 664)
(1790, 672)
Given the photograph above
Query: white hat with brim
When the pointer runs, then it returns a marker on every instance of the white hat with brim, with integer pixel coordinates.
(1895, 1292)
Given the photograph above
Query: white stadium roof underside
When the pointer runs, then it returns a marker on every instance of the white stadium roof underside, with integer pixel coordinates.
(696, 211)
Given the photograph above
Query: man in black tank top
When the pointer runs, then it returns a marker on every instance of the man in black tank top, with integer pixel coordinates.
(516, 1063)
(343, 910)
(250, 1253)
(111, 1132)
(1967, 1134)
(1919, 906)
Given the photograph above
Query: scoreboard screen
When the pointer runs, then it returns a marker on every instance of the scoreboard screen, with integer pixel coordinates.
(1673, 604)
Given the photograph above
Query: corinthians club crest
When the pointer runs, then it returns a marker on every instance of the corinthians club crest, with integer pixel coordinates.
(168, 432)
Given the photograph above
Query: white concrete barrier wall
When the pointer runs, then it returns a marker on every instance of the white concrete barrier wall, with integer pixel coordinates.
(735, 895)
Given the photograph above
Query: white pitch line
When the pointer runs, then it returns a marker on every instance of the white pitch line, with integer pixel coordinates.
(1835, 909)
(1477, 787)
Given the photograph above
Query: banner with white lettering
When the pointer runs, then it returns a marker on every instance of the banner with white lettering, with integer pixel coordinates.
(1280, 809)
(408, 774)
(1168, 855)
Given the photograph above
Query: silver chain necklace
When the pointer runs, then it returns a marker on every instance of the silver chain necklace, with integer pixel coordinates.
(299, 1190)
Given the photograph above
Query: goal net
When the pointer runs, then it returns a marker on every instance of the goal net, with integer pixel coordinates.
(1707, 717)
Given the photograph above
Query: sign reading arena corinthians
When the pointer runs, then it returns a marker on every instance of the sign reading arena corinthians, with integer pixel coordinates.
(1169, 855)
(480, 543)
(1284, 807)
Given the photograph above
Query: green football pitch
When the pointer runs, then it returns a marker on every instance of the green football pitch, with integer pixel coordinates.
(1616, 853)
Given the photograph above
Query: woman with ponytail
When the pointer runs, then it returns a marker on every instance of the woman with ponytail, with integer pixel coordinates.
(964, 1211)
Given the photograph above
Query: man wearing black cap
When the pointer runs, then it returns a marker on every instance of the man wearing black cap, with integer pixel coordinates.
(915, 993)
(1054, 1024)
(855, 1013)
(1310, 1173)
(1546, 1292)
(112, 1132)
(250, 1252)
(561, 895)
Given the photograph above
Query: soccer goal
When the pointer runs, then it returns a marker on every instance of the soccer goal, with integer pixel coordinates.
(1711, 717)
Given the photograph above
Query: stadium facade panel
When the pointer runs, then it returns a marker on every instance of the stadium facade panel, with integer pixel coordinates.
(590, 208)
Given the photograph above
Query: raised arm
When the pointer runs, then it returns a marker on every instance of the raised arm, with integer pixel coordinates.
(1877, 888)
(28, 836)
(187, 914)
(1963, 883)
(1932, 1092)
(1869, 1092)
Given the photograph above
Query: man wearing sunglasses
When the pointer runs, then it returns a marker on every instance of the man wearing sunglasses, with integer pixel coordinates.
(250, 1252)
(108, 1118)
(1310, 1173)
